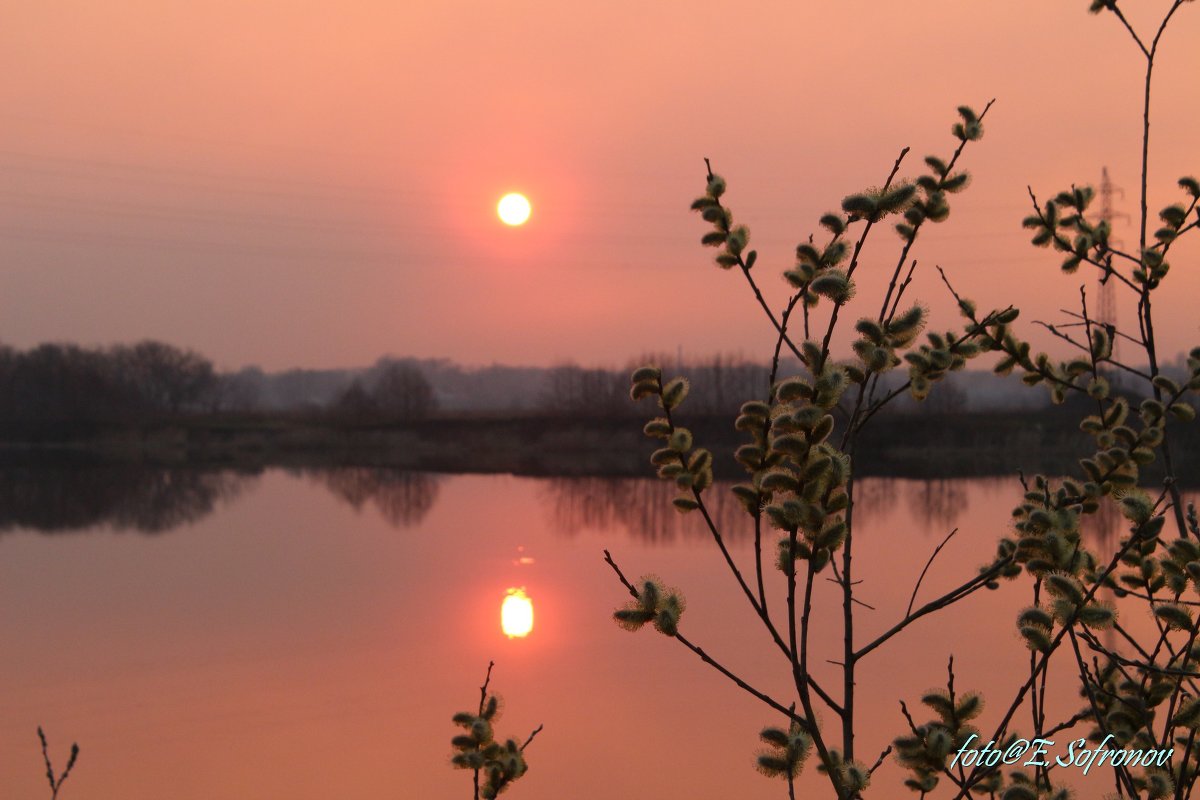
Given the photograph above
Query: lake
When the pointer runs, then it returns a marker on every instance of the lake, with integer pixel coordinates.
(308, 634)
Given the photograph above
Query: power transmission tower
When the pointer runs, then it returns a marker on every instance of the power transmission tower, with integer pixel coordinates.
(1106, 312)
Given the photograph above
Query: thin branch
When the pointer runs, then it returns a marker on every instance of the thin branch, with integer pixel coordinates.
(1067, 724)
(1084, 678)
(1094, 644)
(56, 783)
(1116, 332)
(482, 700)
(483, 689)
(933, 605)
(757, 293)
(900, 291)
(854, 259)
(938, 549)
(1054, 329)
(879, 761)
(707, 659)
(1137, 39)
(536, 731)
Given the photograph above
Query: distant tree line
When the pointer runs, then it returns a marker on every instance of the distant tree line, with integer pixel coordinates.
(53, 383)
(68, 383)
(392, 389)
(56, 382)
(721, 383)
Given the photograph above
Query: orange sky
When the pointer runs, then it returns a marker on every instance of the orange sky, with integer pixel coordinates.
(314, 184)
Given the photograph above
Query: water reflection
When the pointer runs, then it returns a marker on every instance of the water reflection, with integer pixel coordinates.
(516, 614)
(641, 507)
(54, 499)
(402, 497)
(149, 499)
(1107, 525)
(937, 503)
(876, 496)
(285, 647)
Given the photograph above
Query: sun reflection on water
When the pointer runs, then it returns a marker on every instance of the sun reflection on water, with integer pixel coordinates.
(516, 613)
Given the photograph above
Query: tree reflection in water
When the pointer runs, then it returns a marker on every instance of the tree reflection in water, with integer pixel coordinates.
(402, 497)
(52, 498)
(640, 506)
(149, 499)
(938, 504)
(876, 497)
(122, 497)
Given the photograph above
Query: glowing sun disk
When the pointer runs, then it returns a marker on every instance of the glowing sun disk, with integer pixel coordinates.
(513, 209)
(516, 614)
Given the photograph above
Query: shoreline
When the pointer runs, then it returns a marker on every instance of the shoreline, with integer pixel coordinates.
(925, 445)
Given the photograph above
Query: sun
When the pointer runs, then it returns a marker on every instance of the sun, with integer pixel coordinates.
(513, 209)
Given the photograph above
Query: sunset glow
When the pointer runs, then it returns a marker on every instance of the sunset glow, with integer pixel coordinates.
(516, 614)
(99, 199)
(514, 209)
(294, 386)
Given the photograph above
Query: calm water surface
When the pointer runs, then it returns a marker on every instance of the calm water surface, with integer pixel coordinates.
(308, 635)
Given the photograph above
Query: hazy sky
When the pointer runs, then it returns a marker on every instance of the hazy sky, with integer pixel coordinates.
(314, 183)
